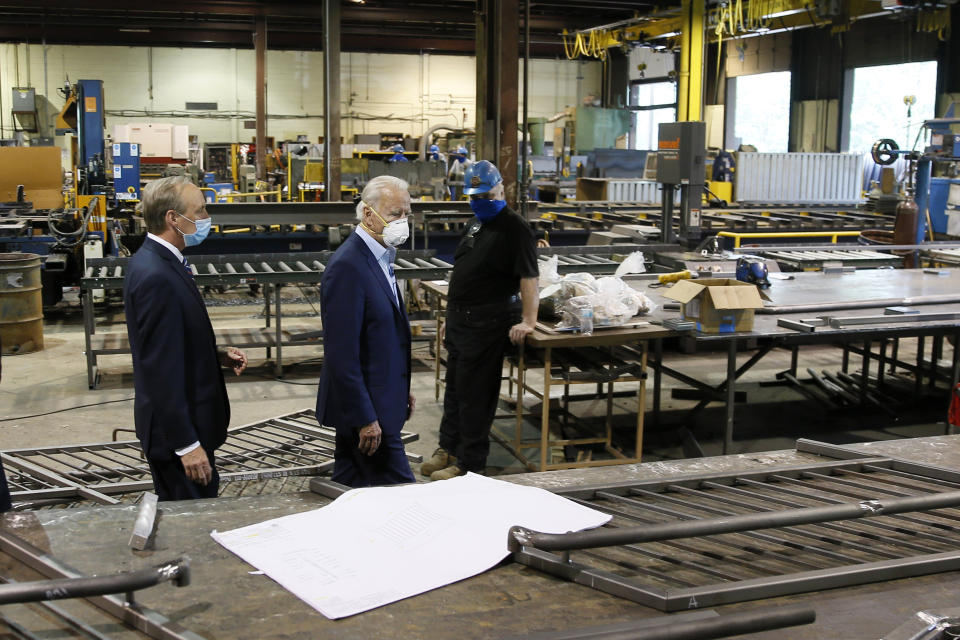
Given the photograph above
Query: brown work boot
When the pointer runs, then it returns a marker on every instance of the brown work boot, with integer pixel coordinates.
(440, 459)
(450, 472)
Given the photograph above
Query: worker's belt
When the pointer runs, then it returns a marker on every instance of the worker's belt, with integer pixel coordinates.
(487, 307)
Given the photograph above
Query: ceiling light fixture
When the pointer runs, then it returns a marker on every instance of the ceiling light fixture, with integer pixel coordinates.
(781, 14)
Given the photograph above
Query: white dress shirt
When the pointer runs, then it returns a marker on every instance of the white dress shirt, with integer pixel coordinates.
(384, 257)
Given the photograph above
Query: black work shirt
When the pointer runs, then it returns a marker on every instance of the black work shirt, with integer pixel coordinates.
(492, 258)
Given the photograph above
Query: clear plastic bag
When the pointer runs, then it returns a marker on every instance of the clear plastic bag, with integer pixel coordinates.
(549, 271)
(614, 304)
(632, 264)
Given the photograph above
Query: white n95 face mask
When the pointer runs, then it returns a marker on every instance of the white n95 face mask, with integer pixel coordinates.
(394, 233)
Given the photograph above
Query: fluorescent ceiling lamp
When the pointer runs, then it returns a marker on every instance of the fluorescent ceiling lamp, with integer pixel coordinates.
(781, 14)
(666, 35)
(134, 30)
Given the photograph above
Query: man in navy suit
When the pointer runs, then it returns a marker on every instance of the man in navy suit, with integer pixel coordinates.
(365, 382)
(181, 410)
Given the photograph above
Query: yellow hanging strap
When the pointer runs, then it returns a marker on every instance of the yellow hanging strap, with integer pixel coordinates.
(935, 21)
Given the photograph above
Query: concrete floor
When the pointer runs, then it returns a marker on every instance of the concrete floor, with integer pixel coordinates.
(55, 378)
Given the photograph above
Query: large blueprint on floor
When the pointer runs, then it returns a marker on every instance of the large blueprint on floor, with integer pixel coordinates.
(374, 546)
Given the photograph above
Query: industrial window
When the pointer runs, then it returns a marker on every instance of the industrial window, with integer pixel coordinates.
(652, 102)
(879, 105)
(761, 104)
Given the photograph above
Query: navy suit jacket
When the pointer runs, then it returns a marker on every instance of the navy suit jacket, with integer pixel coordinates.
(366, 344)
(180, 394)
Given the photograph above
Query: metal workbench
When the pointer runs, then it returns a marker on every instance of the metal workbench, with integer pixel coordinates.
(226, 601)
(864, 293)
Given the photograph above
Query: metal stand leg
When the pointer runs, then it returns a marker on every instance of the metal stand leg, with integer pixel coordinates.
(883, 363)
(918, 380)
(266, 311)
(657, 378)
(845, 366)
(936, 352)
(90, 328)
(794, 359)
(545, 412)
(865, 373)
(278, 366)
(954, 376)
(894, 355)
(731, 395)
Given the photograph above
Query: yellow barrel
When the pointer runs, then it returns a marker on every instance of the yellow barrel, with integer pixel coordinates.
(21, 303)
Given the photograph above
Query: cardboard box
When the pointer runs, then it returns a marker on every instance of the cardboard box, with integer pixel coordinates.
(717, 305)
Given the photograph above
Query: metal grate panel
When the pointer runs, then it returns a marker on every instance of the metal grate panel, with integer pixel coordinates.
(289, 445)
(691, 572)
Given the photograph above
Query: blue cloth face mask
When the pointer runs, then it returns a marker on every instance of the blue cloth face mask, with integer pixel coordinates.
(198, 236)
(486, 209)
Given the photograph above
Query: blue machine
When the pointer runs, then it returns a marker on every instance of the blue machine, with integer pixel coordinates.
(126, 170)
(90, 124)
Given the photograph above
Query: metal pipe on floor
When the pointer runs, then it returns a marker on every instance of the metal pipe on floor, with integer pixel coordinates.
(520, 537)
(177, 571)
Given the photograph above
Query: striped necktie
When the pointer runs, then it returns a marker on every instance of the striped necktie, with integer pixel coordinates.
(186, 265)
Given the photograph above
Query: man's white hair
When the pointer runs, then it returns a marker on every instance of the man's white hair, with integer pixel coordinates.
(377, 191)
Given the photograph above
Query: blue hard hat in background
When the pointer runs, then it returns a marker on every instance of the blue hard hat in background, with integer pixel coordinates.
(434, 148)
(462, 151)
(398, 148)
(480, 177)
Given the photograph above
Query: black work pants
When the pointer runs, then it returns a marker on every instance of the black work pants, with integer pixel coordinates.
(476, 340)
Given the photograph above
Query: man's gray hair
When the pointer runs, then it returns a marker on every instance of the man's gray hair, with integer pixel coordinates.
(376, 191)
(159, 197)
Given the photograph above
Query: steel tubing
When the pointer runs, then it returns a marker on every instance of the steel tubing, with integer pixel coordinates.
(40, 591)
(725, 626)
(519, 537)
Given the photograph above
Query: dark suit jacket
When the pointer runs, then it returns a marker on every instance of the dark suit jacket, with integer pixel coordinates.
(180, 394)
(366, 343)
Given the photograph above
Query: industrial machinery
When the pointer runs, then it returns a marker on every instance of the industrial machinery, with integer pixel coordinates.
(681, 154)
(83, 116)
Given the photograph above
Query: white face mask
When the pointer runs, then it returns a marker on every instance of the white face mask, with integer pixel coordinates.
(394, 233)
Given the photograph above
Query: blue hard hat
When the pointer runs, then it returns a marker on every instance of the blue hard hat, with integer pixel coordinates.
(480, 177)
(398, 148)
(434, 148)
(462, 151)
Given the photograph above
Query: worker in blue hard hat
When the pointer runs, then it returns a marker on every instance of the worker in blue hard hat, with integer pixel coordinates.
(398, 152)
(495, 260)
(455, 174)
(433, 153)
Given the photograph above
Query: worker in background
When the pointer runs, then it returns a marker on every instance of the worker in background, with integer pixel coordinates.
(181, 409)
(455, 174)
(364, 389)
(495, 259)
(433, 153)
(5, 504)
(398, 152)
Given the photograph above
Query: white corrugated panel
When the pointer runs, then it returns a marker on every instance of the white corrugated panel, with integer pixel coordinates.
(632, 190)
(799, 178)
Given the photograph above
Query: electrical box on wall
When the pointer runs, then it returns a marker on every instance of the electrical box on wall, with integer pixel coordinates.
(681, 152)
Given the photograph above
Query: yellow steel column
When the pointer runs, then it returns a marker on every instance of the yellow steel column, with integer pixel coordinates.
(690, 90)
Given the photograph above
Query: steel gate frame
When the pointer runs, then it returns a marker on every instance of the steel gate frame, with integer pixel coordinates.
(292, 444)
(915, 552)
